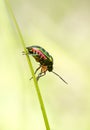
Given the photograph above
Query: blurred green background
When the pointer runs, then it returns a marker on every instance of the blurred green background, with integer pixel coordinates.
(63, 29)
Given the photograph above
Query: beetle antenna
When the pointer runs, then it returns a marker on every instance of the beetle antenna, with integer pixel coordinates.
(59, 77)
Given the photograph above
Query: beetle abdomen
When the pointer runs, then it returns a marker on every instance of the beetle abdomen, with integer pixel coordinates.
(39, 53)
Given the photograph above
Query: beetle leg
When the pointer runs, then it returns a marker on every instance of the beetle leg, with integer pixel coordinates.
(43, 72)
(40, 75)
(36, 71)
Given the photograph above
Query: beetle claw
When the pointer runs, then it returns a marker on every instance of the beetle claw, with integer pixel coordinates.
(31, 78)
(24, 53)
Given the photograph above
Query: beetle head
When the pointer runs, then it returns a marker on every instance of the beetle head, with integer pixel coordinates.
(50, 67)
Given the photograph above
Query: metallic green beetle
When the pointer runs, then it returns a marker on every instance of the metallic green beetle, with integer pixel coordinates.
(45, 60)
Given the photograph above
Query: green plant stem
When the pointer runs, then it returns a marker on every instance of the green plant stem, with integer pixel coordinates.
(30, 67)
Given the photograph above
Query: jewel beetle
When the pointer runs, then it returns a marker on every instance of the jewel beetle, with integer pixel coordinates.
(45, 60)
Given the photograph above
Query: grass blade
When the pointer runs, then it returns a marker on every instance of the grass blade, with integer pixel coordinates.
(30, 66)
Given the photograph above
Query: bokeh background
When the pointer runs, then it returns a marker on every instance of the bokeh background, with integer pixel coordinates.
(61, 27)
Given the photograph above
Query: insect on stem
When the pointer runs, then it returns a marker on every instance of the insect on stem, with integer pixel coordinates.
(45, 60)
